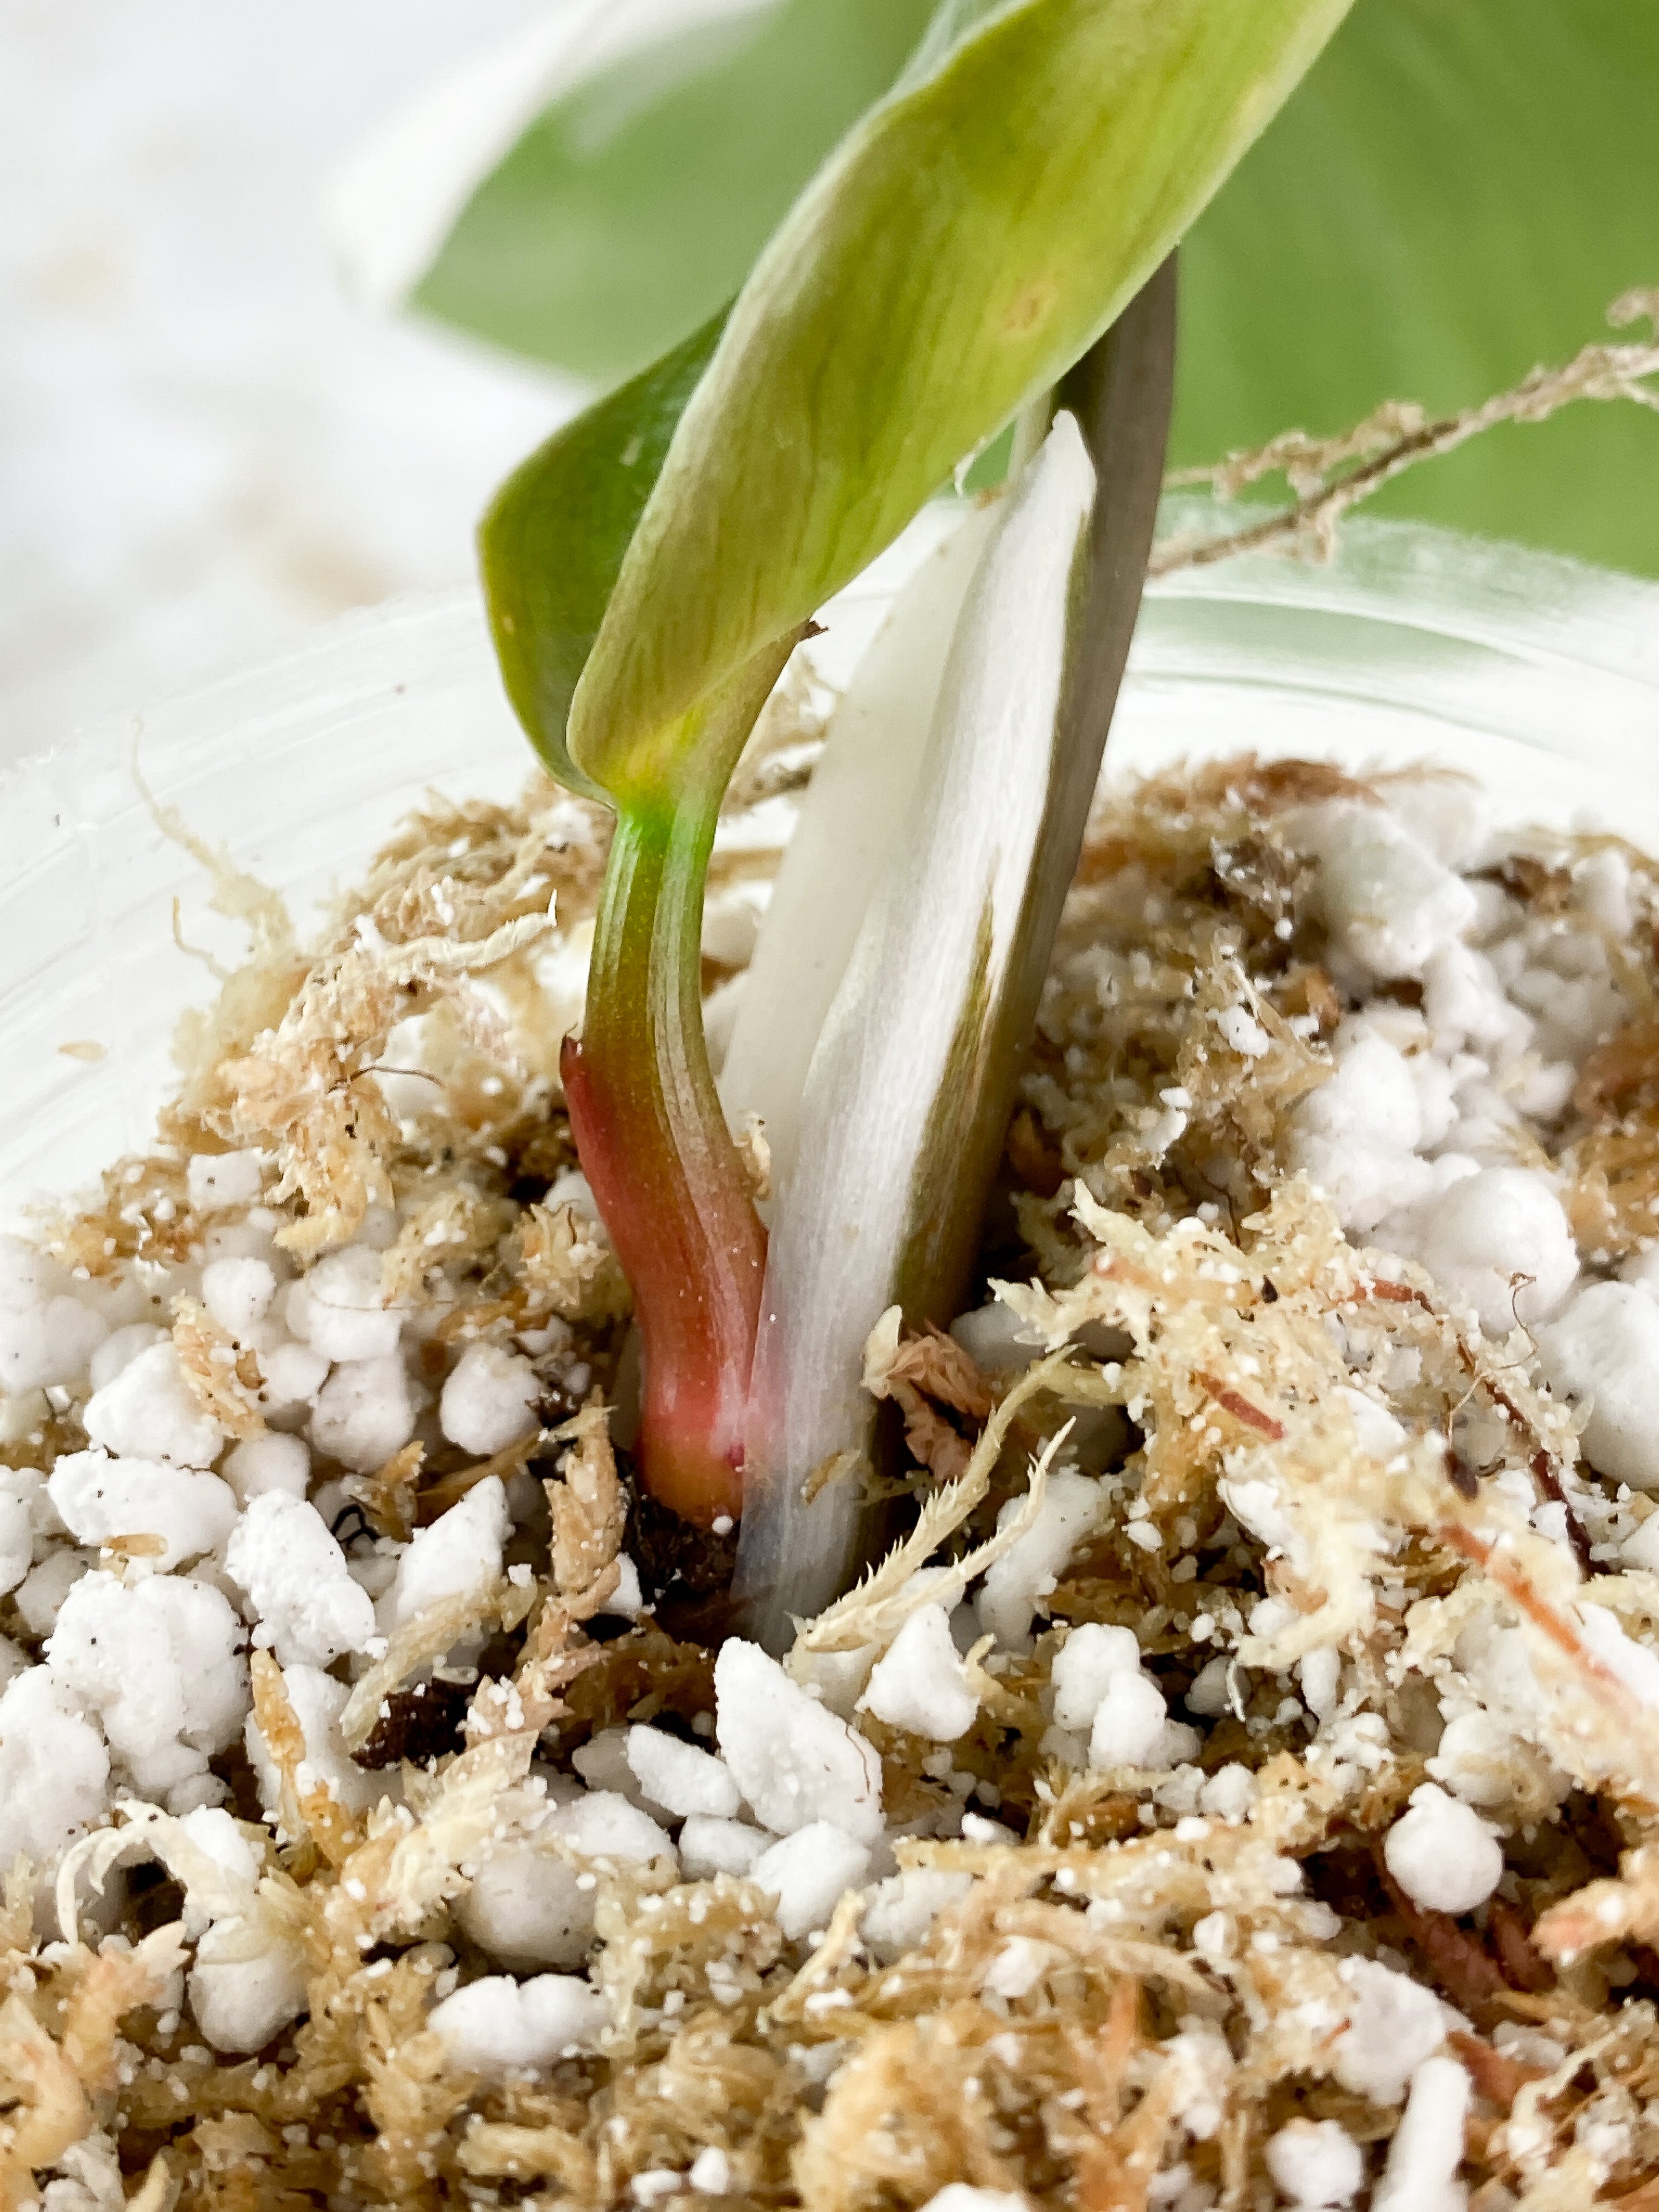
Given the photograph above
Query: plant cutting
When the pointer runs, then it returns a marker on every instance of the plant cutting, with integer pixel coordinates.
(1232, 1780)
(767, 462)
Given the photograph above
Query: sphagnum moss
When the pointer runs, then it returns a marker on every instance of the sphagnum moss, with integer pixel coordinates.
(1367, 1577)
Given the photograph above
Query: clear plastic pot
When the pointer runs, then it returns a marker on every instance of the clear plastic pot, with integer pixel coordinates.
(1539, 676)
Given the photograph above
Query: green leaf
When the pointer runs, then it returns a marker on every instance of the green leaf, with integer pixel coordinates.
(553, 540)
(1455, 194)
(932, 277)
(637, 203)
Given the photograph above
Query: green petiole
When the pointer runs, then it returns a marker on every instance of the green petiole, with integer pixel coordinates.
(650, 1130)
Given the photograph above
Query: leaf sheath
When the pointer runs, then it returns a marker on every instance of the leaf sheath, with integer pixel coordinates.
(926, 1187)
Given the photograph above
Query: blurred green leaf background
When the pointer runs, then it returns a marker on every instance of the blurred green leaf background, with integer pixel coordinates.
(633, 207)
(1456, 194)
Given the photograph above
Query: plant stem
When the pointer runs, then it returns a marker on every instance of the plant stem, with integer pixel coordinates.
(649, 1129)
(654, 1145)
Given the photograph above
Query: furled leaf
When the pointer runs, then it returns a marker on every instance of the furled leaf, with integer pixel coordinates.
(922, 1142)
(1455, 194)
(638, 200)
(930, 280)
(894, 1087)
(552, 541)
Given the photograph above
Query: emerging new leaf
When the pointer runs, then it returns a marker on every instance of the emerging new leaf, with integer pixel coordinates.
(891, 1111)
(909, 1090)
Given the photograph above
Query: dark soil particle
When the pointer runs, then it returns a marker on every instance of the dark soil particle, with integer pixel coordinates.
(685, 1572)
(419, 1725)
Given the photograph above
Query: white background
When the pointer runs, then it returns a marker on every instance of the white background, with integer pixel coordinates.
(205, 449)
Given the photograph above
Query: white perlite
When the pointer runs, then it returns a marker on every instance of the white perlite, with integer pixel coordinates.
(710, 2172)
(497, 2027)
(17, 1495)
(1496, 1240)
(1083, 1669)
(1474, 1759)
(159, 1663)
(241, 1996)
(1421, 2174)
(1357, 1135)
(339, 1309)
(365, 1413)
(1017, 1583)
(294, 1375)
(708, 1847)
(1442, 1855)
(920, 1683)
(808, 1872)
(1388, 901)
(679, 1777)
(308, 1607)
(527, 1907)
(489, 1399)
(271, 1461)
(994, 1338)
(962, 2196)
(100, 1500)
(317, 1701)
(461, 1550)
(904, 1907)
(1102, 1695)
(119, 1349)
(43, 1590)
(1316, 2165)
(1128, 1723)
(794, 1762)
(1604, 1352)
(249, 1976)
(148, 1412)
(218, 1181)
(604, 1827)
(602, 1764)
(47, 1333)
(1394, 2024)
(54, 1769)
(238, 1292)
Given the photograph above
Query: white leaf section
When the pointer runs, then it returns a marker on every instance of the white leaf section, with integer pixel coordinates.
(860, 803)
(392, 205)
(925, 975)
